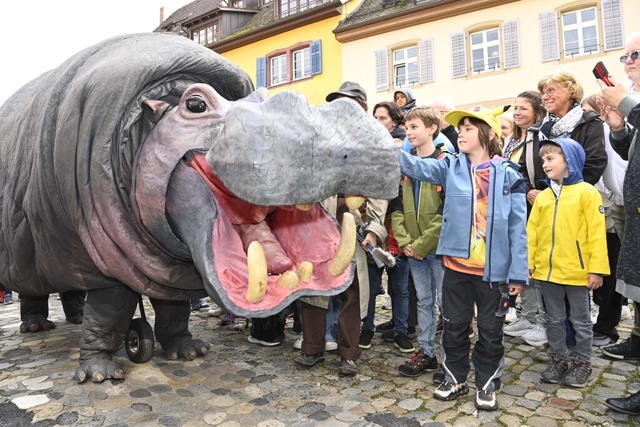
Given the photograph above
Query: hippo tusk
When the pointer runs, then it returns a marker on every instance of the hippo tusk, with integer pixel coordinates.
(257, 272)
(305, 271)
(347, 248)
(353, 202)
(304, 206)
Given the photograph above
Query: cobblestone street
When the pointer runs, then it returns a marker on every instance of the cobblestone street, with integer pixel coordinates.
(243, 384)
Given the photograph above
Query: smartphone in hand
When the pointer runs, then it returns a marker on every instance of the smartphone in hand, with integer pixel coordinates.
(600, 72)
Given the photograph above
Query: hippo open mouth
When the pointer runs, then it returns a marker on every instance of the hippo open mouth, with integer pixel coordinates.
(292, 238)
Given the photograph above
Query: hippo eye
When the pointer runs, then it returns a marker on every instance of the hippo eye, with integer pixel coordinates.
(196, 105)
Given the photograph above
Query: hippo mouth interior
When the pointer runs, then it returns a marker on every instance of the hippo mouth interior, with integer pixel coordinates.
(289, 235)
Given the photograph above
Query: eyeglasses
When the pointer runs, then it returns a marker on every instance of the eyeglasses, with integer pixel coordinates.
(549, 91)
(633, 55)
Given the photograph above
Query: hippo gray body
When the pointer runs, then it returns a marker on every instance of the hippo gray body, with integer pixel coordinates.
(131, 168)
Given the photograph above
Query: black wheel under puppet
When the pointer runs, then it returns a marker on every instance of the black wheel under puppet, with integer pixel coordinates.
(139, 342)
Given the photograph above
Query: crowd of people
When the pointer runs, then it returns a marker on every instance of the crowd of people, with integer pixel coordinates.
(532, 202)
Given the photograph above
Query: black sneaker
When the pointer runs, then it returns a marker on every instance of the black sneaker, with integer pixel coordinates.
(418, 364)
(578, 375)
(347, 367)
(386, 326)
(556, 370)
(310, 360)
(449, 391)
(366, 335)
(389, 335)
(438, 375)
(486, 400)
(412, 333)
(628, 349)
(403, 343)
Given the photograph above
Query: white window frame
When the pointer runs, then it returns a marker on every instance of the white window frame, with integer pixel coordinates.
(579, 27)
(406, 62)
(278, 65)
(486, 48)
(301, 63)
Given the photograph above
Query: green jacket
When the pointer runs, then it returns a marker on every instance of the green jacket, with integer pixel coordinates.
(423, 230)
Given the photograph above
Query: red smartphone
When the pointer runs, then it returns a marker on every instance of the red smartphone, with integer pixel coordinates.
(600, 72)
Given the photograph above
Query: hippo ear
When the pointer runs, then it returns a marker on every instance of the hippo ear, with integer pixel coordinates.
(156, 108)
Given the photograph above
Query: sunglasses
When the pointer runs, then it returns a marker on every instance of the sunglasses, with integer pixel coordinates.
(633, 55)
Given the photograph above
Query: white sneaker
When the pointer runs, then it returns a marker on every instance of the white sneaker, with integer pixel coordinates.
(387, 304)
(330, 346)
(511, 316)
(298, 343)
(518, 328)
(625, 314)
(595, 310)
(536, 337)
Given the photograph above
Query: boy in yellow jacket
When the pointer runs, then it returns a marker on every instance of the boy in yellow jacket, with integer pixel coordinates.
(567, 256)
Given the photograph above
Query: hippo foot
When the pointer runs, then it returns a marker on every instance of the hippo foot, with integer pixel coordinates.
(76, 319)
(187, 348)
(36, 323)
(99, 369)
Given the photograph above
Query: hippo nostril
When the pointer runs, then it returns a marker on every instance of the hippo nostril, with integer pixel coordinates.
(345, 157)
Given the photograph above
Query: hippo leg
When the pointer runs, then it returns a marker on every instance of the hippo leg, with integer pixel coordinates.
(107, 316)
(33, 313)
(73, 305)
(172, 330)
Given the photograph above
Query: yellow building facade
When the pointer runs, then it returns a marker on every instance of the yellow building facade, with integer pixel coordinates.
(246, 54)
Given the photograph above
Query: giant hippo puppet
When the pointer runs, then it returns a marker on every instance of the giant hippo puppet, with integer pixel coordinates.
(147, 165)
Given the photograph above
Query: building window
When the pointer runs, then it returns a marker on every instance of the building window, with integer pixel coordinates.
(592, 29)
(291, 7)
(207, 34)
(580, 32)
(405, 66)
(485, 50)
(237, 4)
(278, 70)
(301, 61)
(301, 64)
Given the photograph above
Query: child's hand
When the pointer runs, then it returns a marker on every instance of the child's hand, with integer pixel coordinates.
(595, 281)
(531, 274)
(408, 250)
(515, 289)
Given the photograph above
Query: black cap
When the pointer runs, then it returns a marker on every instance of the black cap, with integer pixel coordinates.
(350, 90)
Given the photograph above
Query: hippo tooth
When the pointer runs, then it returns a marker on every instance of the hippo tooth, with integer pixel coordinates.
(347, 248)
(353, 202)
(257, 272)
(304, 206)
(305, 271)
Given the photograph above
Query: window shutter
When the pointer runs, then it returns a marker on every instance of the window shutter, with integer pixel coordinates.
(612, 24)
(549, 36)
(261, 72)
(316, 57)
(458, 55)
(511, 39)
(425, 47)
(382, 70)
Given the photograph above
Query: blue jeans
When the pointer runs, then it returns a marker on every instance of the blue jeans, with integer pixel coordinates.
(427, 276)
(333, 312)
(398, 277)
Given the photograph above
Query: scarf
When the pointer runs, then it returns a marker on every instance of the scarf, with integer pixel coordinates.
(512, 145)
(554, 126)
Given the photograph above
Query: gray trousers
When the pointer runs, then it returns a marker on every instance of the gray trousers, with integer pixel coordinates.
(532, 305)
(579, 315)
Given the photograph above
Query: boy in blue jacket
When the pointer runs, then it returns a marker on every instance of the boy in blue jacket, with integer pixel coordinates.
(483, 243)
